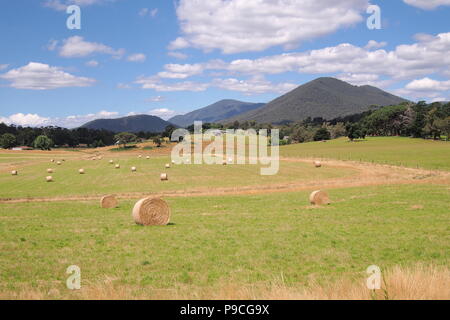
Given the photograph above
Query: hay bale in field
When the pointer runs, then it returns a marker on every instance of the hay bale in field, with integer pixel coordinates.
(167, 165)
(164, 177)
(173, 161)
(49, 179)
(133, 169)
(14, 173)
(81, 171)
(59, 163)
(108, 202)
(140, 156)
(224, 162)
(319, 198)
(111, 161)
(151, 212)
(147, 157)
(49, 170)
(117, 166)
(317, 164)
(53, 160)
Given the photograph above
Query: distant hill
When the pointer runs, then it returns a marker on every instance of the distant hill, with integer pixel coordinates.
(328, 98)
(216, 112)
(130, 124)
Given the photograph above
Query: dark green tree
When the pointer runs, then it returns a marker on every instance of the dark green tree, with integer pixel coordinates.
(43, 143)
(8, 141)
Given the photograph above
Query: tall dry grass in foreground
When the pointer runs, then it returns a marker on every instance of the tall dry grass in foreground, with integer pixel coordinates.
(417, 283)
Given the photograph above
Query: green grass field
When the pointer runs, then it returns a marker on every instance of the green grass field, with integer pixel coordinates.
(246, 239)
(408, 152)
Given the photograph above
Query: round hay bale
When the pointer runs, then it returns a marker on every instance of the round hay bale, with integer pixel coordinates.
(117, 166)
(108, 202)
(164, 177)
(14, 173)
(81, 171)
(49, 179)
(53, 160)
(173, 161)
(133, 169)
(151, 212)
(319, 198)
(49, 170)
(148, 158)
(111, 161)
(59, 163)
(140, 156)
(224, 162)
(317, 164)
(167, 166)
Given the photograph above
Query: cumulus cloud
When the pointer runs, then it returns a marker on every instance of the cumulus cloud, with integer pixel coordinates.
(39, 76)
(137, 57)
(30, 120)
(427, 84)
(92, 63)
(177, 55)
(255, 85)
(156, 84)
(372, 44)
(427, 4)
(77, 47)
(181, 71)
(73, 121)
(254, 25)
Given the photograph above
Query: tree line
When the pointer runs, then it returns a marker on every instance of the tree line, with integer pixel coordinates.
(55, 137)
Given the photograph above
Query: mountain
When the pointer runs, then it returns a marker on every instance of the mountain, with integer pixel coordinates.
(130, 124)
(328, 98)
(216, 112)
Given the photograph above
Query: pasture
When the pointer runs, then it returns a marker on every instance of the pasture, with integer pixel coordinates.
(233, 233)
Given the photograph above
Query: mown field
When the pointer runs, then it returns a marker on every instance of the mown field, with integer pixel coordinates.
(396, 151)
(217, 242)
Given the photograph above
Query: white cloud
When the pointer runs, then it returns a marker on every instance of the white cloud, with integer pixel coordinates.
(156, 84)
(39, 76)
(427, 84)
(147, 12)
(427, 4)
(77, 47)
(372, 44)
(405, 62)
(137, 57)
(156, 99)
(26, 120)
(178, 55)
(92, 63)
(179, 43)
(3, 66)
(255, 85)
(163, 113)
(181, 71)
(235, 26)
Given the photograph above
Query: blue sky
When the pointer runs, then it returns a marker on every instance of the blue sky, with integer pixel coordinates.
(170, 57)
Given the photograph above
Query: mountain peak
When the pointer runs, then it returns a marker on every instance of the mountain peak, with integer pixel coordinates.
(324, 97)
(134, 123)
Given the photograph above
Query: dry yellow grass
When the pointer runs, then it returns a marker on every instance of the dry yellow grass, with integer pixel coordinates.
(416, 283)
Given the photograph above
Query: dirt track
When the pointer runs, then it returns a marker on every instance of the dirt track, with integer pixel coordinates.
(368, 175)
